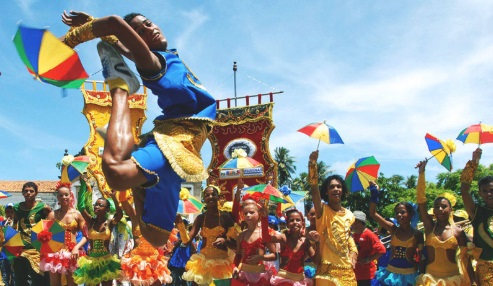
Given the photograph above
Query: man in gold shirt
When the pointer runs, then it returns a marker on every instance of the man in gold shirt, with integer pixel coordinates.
(336, 253)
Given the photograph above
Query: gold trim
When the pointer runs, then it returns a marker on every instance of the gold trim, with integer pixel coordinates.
(147, 171)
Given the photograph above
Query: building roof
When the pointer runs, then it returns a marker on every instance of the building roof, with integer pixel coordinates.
(16, 186)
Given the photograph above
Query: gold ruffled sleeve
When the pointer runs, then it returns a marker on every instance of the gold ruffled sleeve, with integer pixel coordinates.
(467, 174)
(421, 189)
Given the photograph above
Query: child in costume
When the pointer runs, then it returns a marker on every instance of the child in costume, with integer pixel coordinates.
(336, 253)
(250, 248)
(295, 248)
(216, 228)
(405, 243)
(171, 154)
(99, 266)
(481, 216)
(443, 239)
(64, 262)
(5, 263)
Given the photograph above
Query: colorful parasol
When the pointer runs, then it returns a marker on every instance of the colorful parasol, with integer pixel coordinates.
(477, 133)
(13, 245)
(188, 204)
(4, 194)
(322, 132)
(361, 172)
(441, 150)
(239, 166)
(47, 236)
(48, 59)
(266, 191)
(73, 167)
(291, 197)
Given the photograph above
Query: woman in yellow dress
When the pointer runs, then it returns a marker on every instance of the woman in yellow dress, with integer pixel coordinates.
(443, 239)
(213, 261)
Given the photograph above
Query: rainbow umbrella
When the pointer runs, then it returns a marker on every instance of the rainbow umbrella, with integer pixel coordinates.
(13, 244)
(477, 133)
(291, 197)
(361, 172)
(47, 236)
(188, 204)
(441, 150)
(322, 132)
(48, 59)
(239, 166)
(266, 191)
(4, 194)
(73, 167)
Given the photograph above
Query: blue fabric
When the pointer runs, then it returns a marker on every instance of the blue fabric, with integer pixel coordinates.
(181, 255)
(388, 278)
(161, 202)
(179, 92)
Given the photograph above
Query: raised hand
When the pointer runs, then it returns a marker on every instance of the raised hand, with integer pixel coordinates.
(476, 155)
(75, 18)
(422, 165)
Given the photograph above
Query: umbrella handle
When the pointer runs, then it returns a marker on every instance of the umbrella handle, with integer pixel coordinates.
(318, 145)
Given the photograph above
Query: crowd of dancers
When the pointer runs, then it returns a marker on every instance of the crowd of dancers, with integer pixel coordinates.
(243, 245)
(235, 247)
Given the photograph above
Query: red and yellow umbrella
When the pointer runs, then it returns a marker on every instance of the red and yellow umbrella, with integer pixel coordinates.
(48, 59)
(323, 132)
(47, 236)
(477, 133)
(13, 243)
(361, 172)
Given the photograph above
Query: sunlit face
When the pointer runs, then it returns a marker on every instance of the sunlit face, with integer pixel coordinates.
(210, 197)
(334, 191)
(63, 196)
(149, 32)
(294, 221)
(311, 216)
(442, 209)
(250, 213)
(29, 194)
(402, 215)
(486, 193)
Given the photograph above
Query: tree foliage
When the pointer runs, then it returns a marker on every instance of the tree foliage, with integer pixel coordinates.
(285, 166)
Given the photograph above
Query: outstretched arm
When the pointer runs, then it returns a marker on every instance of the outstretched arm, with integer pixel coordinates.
(466, 179)
(421, 197)
(131, 43)
(313, 181)
(375, 189)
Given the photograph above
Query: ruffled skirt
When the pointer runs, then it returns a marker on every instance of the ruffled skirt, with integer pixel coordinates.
(385, 277)
(141, 268)
(285, 278)
(430, 280)
(59, 262)
(203, 270)
(256, 275)
(94, 270)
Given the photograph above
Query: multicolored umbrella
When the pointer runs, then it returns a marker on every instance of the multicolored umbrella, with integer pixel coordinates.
(47, 236)
(361, 172)
(13, 243)
(322, 132)
(441, 150)
(73, 167)
(4, 194)
(48, 59)
(239, 166)
(266, 191)
(477, 133)
(188, 204)
(291, 197)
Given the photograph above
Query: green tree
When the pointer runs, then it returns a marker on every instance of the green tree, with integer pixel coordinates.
(411, 182)
(285, 165)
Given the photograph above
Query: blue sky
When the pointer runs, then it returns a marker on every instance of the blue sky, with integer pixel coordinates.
(383, 73)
